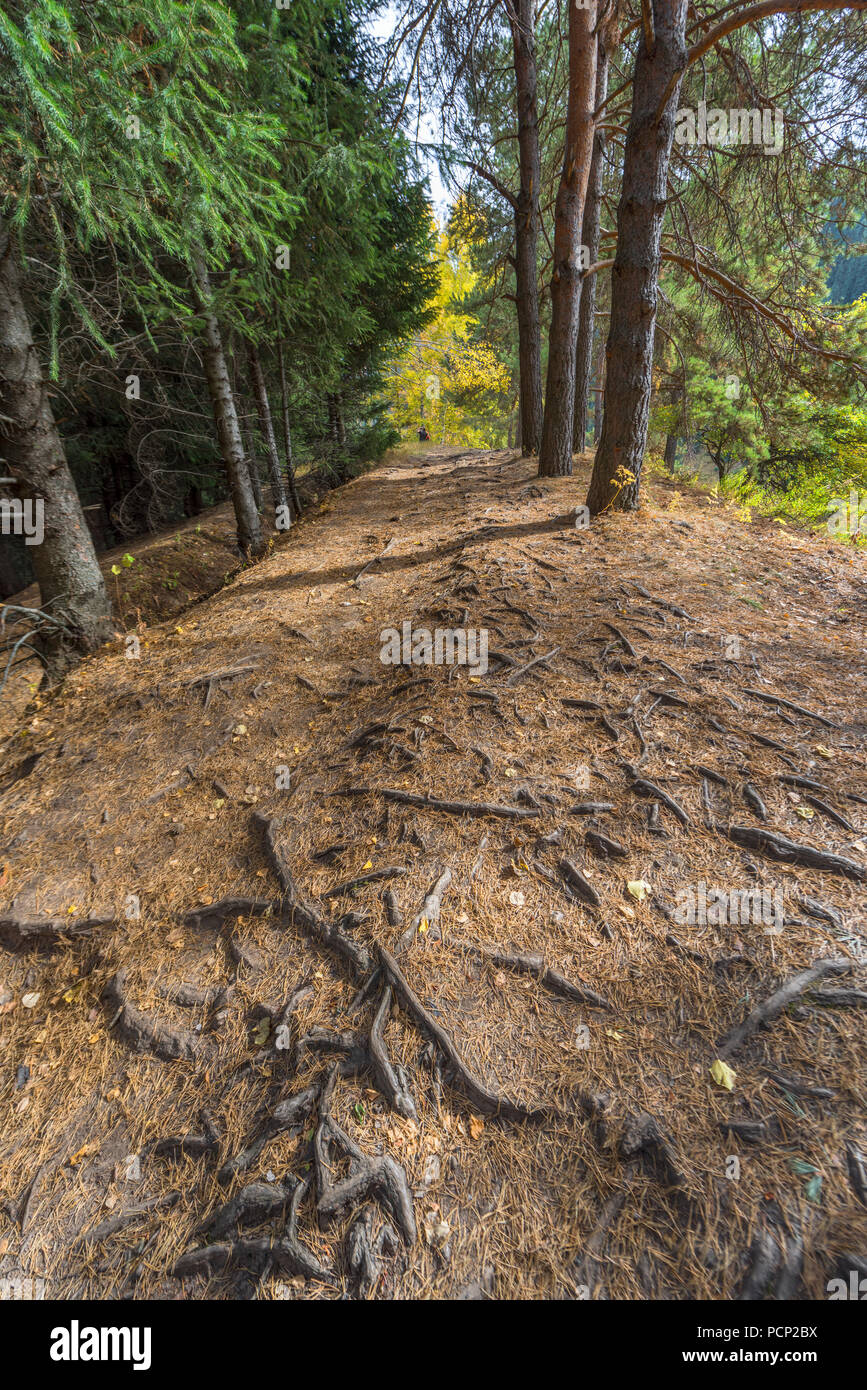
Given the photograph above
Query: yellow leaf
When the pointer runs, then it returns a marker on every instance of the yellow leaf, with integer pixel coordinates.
(805, 812)
(369, 864)
(823, 751)
(638, 888)
(477, 1126)
(723, 1075)
(423, 926)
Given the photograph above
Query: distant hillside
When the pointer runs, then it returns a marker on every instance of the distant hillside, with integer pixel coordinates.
(847, 280)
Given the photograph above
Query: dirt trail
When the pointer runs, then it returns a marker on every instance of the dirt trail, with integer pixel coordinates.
(142, 1051)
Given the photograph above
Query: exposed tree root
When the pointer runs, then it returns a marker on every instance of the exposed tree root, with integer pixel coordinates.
(588, 1266)
(796, 1087)
(579, 883)
(24, 934)
(450, 808)
(857, 1169)
(214, 916)
(787, 704)
(644, 1138)
(429, 912)
(363, 1250)
(488, 1102)
(255, 1204)
(392, 1083)
(285, 1254)
(328, 934)
(839, 998)
(368, 1177)
(516, 675)
(824, 809)
(377, 876)
(754, 801)
(820, 911)
(790, 852)
(126, 1218)
(605, 847)
(288, 1114)
(772, 1008)
(186, 1146)
(791, 1268)
(326, 1040)
(749, 1131)
(642, 787)
(535, 965)
(765, 1258)
(142, 1033)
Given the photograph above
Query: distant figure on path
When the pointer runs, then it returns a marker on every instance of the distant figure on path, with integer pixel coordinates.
(423, 434)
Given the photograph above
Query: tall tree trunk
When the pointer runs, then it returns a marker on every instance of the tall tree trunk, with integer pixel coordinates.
(260, 390)
(635, 275)
(522, 17)
(671, 439)
(555, 455)
(287, 431)
(599, 393)
(65, 564)
(251, 462)
(250, 540)
(590, 238)
(248, 438)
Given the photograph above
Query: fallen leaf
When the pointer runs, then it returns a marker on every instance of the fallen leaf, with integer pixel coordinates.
(82, 1153)
(638, 888)
(723, 1075)
(261, 1032)
(813, 1189)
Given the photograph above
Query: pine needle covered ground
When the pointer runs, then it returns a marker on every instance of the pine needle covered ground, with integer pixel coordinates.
(231, 1067)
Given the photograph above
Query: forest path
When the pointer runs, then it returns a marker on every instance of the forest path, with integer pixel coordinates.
(153, 1054)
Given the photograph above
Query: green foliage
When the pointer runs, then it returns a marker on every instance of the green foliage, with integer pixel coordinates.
(134, 137)
(129, 125)
(449, 377)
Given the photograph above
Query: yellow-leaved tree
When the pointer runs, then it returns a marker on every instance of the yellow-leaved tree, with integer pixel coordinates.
(448, 379)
